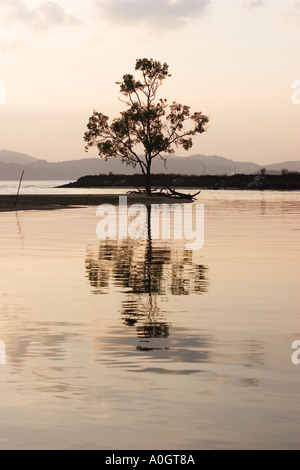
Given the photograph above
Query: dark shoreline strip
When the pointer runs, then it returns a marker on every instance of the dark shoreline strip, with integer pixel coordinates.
(61, 201)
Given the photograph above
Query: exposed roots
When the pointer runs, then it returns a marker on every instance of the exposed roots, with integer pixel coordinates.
(166, 192)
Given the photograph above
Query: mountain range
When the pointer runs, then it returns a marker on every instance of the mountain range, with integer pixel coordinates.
(13, 163)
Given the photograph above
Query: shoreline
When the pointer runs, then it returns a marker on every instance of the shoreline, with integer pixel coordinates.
(69, 201)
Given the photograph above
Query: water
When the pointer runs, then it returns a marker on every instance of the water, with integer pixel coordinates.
(143, 344)
(52, 187)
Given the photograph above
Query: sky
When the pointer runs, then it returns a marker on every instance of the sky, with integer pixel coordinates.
(237, 61)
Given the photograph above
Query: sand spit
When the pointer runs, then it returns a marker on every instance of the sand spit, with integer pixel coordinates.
(61, 201)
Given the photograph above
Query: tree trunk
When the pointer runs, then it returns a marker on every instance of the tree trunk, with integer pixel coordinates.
(148, 179)
(148, 186)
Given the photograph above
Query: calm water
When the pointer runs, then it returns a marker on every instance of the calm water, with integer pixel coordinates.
(143, 344)
(52, 187)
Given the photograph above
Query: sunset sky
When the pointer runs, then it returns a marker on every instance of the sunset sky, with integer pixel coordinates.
(234, 60)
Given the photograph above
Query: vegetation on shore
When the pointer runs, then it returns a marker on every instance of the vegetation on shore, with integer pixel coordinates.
(285, 181)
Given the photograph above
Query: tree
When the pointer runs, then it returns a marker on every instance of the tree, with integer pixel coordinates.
(148, 123)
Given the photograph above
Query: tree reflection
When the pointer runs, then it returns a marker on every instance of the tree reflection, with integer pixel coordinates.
(144, 270)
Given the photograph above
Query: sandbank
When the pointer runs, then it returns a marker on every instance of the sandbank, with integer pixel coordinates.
(61, 201)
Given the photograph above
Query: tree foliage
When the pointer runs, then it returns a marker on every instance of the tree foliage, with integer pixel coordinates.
(147, 123)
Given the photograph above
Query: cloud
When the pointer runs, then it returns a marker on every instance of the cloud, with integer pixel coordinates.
(251, 4)
(15, 13)
(292, 17)
(167, 13)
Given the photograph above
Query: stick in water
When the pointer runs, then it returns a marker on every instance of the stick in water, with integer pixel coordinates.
(19, 187)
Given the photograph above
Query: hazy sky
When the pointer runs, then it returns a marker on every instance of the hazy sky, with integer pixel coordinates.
(235, 60)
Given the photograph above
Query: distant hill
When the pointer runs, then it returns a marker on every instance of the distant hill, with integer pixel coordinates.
(7, 156)
(12, 164)
(290, 166)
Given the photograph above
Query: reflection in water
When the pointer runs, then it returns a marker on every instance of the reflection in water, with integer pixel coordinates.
(263, 207)
(19, 226)
(138, 268)
(79, 365)
(253, 354)
(143, 271)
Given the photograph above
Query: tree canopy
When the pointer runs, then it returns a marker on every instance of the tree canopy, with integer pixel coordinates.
(149, 127)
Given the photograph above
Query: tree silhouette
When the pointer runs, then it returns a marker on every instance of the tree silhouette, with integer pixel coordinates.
(147, 123)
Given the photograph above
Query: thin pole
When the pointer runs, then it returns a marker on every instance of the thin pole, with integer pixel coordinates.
(19, 187)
